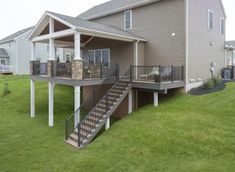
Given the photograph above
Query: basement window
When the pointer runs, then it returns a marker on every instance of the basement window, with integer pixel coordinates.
(99, 56)
(128, 20)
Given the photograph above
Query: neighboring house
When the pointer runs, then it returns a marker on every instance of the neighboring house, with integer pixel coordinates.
(125, 54)
(15, 51)
(230, 53)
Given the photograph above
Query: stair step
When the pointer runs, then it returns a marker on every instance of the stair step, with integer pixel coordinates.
(118, 88)
(73, 143)
(114, 94)
(95, 119)
(74, 137)
(109, 102)
(87, 128)
(116, 91)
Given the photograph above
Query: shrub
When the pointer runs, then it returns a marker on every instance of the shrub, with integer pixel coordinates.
(208, 84)
(216, 80)
(6, 90)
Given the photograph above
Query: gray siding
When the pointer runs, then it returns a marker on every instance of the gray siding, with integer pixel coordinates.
(201, 53)
(120, 52)
(157, 22)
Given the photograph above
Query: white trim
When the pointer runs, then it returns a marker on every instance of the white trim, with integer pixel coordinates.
(136, 53)
(52, 16)
(107, 124)
(186, 43)
(222, 19)
(77, 104)
(91, 32)
(54, 35)
(208, 19)
(101, 55)
(131, 19)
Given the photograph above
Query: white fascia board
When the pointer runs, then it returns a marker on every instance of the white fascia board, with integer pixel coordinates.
(54, 35)
(52, 16)
(102, 34)
(121, 9)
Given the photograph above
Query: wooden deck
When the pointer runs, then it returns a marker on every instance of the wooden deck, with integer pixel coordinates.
(145, 84)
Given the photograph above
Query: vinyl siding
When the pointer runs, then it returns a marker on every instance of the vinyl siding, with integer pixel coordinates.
(201, 53)
(156, 22)
(120, 52)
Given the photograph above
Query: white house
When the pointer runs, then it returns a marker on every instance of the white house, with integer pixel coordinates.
(15, 52)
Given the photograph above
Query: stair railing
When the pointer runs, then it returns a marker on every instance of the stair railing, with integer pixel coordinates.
(111, 78)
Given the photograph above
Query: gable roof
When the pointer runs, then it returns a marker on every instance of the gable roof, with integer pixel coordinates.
(88, 26)
(113, 6)
(3, 53)
(15, 35)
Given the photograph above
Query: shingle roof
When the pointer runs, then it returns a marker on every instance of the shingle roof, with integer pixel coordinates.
(14, 35)
(3, 53)
(111, 7)
(80, 23)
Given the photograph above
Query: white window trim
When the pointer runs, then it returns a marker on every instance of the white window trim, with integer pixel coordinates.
(131, 19)
(208, 18)
(222, 19)
(101, 56)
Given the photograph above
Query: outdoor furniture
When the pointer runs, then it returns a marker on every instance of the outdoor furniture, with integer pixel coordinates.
(150, 75)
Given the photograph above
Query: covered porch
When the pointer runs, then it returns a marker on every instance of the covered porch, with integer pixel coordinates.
(95, 52)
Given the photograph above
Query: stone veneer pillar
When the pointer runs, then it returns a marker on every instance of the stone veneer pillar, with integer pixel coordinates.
(51, 68)
(77, 69)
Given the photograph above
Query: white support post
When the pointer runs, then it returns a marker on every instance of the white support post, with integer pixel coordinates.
(136, 54)
(32, 100)
(155, 98)
(77, 104)
(51, 41)
(33, 48)
(77, 46)
(52, 49)
(130, 103)
(51, 103)
(107, 124)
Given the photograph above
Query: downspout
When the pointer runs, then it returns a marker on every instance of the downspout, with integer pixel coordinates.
(186, 43)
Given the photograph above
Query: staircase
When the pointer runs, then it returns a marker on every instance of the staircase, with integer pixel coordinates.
(98, 116)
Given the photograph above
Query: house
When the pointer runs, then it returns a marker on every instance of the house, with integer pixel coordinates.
(126, 53)
(15, 52)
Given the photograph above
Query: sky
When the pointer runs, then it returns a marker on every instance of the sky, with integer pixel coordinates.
(19, 14)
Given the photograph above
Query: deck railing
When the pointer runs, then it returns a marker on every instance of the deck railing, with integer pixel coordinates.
(63, 70)
(5, 68)
(157, 74)
(39, 68)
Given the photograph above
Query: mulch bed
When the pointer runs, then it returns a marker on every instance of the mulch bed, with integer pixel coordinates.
(202, 90)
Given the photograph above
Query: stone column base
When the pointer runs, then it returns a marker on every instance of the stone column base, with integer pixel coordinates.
(77, 69)
(51, 68)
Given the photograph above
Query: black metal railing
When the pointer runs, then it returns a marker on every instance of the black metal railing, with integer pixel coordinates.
(106, 84)
(39, 68)
(96, 71)
(157, 74)
(70, 122)
(64, 70)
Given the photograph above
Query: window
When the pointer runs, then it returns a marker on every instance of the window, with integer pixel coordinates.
(128, 20)
(222, 26)
(3, 62)
(210, 19)
(99, 56)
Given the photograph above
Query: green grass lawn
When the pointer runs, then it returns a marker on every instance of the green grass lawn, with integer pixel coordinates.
(185, 134)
